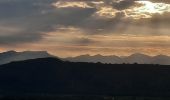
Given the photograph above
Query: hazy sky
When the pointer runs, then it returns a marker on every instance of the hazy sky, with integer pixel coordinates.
(75, 27)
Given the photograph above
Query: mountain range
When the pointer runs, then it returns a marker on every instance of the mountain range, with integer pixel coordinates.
(10, 56)
(44, 74)
(134, 58)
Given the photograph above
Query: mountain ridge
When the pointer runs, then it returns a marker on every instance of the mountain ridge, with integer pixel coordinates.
(10, 56)
(113, 59)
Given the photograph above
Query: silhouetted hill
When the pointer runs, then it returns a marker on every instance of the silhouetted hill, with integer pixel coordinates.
(10, 56)
(134, 58)
(55, 77)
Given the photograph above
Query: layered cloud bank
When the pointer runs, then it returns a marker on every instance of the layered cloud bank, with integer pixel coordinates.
(74, 27)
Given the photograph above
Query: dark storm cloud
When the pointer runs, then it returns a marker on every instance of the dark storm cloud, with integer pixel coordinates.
(19, 8)
(23, 15)
(34, 18)
(123, 4)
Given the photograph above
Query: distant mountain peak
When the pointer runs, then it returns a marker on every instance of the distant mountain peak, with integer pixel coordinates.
(161, 56)
(36, 51)
(134, 58)
(85, 55)
(138, 55)
(98, 55)
(11, 51)
(10, 56)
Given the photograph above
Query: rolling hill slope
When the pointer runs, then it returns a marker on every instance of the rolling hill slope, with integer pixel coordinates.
(55, 77)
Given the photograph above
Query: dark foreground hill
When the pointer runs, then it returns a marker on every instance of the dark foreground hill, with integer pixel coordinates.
(51, 76)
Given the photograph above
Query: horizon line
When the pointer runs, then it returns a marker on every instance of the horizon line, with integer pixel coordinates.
(91, 55)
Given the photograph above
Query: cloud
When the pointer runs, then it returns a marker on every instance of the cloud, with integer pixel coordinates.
(74, 27)
(162, 1)
(123, 4)
(62, 4)
(34, 18)
(21, 20)
(27, 21)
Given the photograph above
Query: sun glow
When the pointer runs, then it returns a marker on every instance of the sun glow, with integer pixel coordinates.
(152, 8)
(147, 9)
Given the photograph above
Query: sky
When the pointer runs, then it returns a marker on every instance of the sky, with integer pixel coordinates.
(76, 27)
